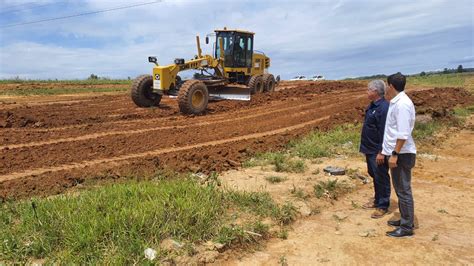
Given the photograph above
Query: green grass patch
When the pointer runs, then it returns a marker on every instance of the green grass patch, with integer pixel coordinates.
(112, 224)
(343, 139)
(281, 162)
(258, 203)
(425, 131)
(283, 233)
(115, 223)
(70, 81)
(298, 193)
(242, 234)
(285, 163)
(439, 80)
(331, 189)
(287, 213)
(261, 204)
(275, 179)
(463, 112)
(58, 91)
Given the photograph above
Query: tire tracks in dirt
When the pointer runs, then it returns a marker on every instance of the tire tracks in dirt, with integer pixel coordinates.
(17, 137)
(157, 152)
(137, 131)
(13, 132)
(64, 153)
(79, 116)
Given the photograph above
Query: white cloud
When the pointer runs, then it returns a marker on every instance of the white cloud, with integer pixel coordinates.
(297, 35)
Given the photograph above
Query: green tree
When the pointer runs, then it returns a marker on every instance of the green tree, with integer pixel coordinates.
(460, 69)
(93, 76)
(423, 73)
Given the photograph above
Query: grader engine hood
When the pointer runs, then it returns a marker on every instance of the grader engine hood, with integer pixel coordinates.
(164, 77)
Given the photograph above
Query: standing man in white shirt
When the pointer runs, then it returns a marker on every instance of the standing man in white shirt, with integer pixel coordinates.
(399, 146)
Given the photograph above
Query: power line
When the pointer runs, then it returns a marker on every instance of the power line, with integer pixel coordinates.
(80, 14)
(24, 4)
(27, 8)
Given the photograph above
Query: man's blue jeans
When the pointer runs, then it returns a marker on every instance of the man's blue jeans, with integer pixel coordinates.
(381, 181)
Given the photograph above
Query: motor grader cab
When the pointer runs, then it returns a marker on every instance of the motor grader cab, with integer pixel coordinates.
(234, 71)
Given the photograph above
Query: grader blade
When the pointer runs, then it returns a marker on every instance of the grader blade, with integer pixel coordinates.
(230, 93)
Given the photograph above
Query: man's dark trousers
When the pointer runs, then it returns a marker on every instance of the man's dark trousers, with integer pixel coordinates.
(381, 181)
(401, 177)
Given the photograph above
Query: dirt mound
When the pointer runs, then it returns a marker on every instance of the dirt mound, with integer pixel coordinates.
(439, 102)
(311, 89)
(9, 119)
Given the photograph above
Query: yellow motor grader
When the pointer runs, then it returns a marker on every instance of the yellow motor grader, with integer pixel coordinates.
(234, 62)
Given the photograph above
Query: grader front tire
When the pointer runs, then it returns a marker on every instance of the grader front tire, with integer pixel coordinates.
(269, 83)
(193, 97)
(256, 84)
(142, 92)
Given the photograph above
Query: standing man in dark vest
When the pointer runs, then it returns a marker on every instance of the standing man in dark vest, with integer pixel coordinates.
(371, 145)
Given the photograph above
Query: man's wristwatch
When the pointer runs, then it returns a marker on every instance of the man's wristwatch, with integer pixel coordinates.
(394, 153)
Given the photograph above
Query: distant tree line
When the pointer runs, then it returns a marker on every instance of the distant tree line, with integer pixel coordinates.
(459, 69)
(96, 77)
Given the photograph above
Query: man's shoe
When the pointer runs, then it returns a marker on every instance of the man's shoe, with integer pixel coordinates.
(395, 223)
(378, 213)
(369, 205)
(399, 232)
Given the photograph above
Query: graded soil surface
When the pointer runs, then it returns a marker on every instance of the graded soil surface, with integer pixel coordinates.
(49, 146)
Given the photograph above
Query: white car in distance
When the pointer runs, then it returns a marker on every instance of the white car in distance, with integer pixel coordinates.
(299, 78)
(317, 77)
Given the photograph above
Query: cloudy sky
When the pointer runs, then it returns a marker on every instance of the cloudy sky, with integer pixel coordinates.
(337, 39)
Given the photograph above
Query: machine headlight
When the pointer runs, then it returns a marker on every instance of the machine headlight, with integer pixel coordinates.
(152, 59)
(157, 76)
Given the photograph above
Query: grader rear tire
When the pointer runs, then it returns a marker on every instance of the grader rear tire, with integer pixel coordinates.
(268, 83)
(256, 84)
(142, 92)
(193, 97)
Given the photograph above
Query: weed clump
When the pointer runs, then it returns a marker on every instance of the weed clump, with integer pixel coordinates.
(281, 162)
(331, 189)
(287, 213)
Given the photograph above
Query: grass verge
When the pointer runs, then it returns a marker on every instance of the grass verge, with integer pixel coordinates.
(114, 224)
(58, 91)
(343, 139)
(440, 80)
(70, 81)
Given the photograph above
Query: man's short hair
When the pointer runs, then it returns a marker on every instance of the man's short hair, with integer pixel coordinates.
(377, 85)
(398, 81)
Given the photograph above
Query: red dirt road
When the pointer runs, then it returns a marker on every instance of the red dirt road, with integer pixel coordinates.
(47, 147)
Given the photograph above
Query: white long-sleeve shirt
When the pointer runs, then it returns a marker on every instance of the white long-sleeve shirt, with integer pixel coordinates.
(399, 125)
